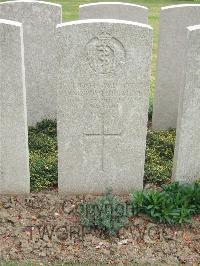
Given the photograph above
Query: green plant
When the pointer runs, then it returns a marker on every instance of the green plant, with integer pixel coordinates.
(43, 155)
(47, 127)
(44, 172)
(150, 110)
(198, 181)
(172, 204)
(107, 214)
(175, 204)
(159, 156)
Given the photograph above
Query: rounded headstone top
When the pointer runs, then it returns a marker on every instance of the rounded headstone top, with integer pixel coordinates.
(30, 2)
(111, 21)
(180, 6)
(112, 3)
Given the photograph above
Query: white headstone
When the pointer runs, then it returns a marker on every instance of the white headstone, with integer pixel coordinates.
(103, 105)
(14, 166)
(39, 23)
(170, 72)
(187, 151)
(114, 10)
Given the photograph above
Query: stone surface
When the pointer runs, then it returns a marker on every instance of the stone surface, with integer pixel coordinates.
(170, 72)
(187, 152)
(39, 23)
(14, 166)
(114, 10)
(102, 105)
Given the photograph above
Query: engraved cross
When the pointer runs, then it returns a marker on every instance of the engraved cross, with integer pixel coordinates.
(103, 135)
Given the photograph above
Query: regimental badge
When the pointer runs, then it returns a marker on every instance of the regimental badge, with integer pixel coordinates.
(105, 53)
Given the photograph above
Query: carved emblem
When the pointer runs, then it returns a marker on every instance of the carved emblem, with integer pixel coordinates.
(105, 53)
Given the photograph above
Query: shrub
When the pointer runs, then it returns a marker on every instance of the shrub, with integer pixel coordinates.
(47, 127)
(41, 142)
(175, 204)
(43, 155)
(44, 170)
(159, 156)
(107, 214)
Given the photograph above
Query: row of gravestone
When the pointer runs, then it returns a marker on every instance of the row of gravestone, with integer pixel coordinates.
(99, 69)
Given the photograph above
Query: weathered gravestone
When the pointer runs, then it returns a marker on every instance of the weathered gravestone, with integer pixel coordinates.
(114, 10)
(187, 152)
(14, 167)
(170, 70)
(39, 23)
(102, 105)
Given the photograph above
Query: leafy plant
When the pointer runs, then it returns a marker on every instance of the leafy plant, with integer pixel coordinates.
(159, 156)
(47, 127)
(175, 204)
(43, 155)
(107, 214)
(44, 170)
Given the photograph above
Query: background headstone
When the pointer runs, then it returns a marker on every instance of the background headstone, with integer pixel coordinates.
(39, 23)
(170, 68)
(102, 105)
(114, 10)
(187, 151)
(14, 166)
